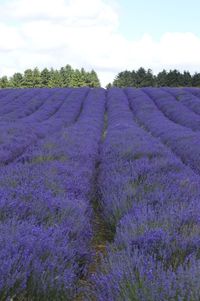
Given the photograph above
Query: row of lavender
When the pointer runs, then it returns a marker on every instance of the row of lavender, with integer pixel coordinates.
(183, 141)
(45, 213)
(185, 111)
(31, 115)
(150, 200)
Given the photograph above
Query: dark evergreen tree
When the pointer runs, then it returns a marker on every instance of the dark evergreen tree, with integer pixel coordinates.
(196, 80)
(161, 78)
(144, 78)
(149, 80)
(108, 86)
(140, 77)
(124, 79)
(186, 79)
(133, 78)
(173, 78)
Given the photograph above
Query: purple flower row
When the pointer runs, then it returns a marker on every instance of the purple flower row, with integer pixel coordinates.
(175, 111)
(60, 109)
(4, 92)
(24, 105)
(186, 98)
(150, 200)
(45, 212)
(10, 97)
(182, 141)
(194, 91)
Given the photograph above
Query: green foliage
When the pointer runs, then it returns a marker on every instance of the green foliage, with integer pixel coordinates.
(145, 78)
(27, 79)
(77, 79)
(125, 79)
(161, 79)
(64, 77)
(196, 80)
(16, 80)
(4, 82)
(109, 85)
(139, 78)
(36, 78)
(187, 79)
(45, 77)
(93, 79)
(55, 80)
(69, 77)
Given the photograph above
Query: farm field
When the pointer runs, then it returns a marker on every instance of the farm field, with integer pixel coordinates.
(100, 194)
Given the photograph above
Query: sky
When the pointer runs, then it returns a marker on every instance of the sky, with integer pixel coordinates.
(108, 36)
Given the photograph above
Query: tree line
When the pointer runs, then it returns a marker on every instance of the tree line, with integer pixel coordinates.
(51, 78)
(69, 77)
(145, 78)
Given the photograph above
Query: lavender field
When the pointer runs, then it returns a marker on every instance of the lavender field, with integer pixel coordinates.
(100, 194)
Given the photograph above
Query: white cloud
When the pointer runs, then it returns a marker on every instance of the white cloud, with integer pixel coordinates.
(84, 34)
(10, 39)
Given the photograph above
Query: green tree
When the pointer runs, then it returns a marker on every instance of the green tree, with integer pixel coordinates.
(108, 86)
(4, 83)
(76, 80)
(36, 78)
(173, 78)
(161, 79)
(149, 80)
(66, 74)
(84, 77)
(94, 80)
(55, 79)
(124, 79)
(187, 79)
(28, 78)
(140, 77)
(196, 80)
(16, 80)
(64, 77)
(45, 77)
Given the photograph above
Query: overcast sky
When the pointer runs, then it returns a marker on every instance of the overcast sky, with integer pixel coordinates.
(106, 35)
